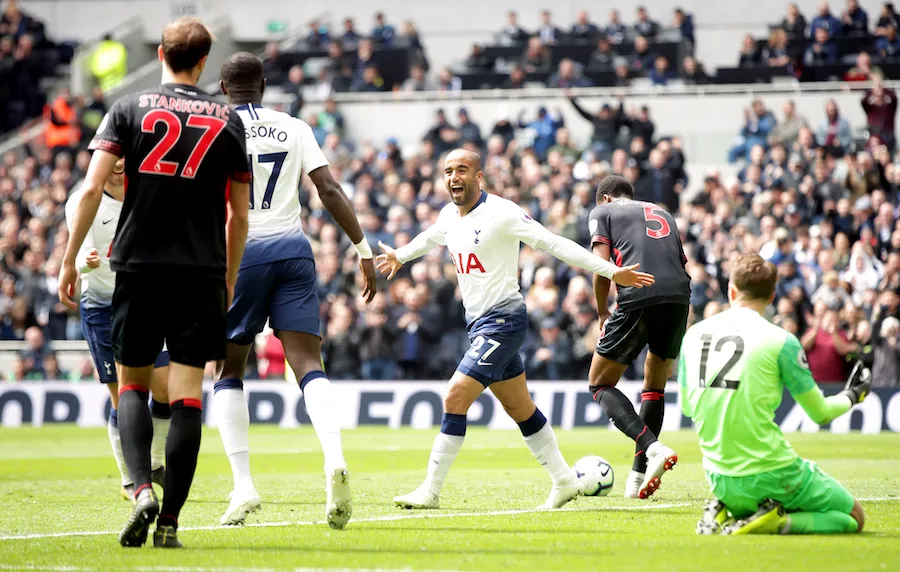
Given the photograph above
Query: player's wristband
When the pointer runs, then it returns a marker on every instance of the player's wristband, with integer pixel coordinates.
(363, 249)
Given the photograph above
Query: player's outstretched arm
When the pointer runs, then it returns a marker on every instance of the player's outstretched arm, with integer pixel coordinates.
(534, 234)
(337, 203)
(798, 379)
(102, 163)
(392, 260)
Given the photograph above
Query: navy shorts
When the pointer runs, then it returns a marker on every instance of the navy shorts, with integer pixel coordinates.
(283, 292)
(96, 323)
(494, 343)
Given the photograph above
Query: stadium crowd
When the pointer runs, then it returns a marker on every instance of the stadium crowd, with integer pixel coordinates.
(825, 214)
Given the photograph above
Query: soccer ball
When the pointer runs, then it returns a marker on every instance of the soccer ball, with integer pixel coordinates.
(595, 474)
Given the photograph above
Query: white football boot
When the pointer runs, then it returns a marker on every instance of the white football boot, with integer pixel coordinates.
(421, 498)
(338, 504)
(659, 460)
(633, 485)
(563, 491)
(243, 502)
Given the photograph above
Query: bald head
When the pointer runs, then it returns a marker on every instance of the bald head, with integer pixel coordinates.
(471, 158)
(462, 176)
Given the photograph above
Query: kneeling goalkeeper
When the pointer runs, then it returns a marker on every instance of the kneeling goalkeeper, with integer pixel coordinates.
(732, 371)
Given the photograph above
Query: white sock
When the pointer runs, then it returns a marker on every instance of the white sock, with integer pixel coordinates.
(324, 412)
(443, 453)
(158, 444)
(233, 421)
(545, 449)
(116, 441)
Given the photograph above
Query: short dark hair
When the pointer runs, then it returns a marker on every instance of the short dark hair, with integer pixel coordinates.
(242, 69)
(616, 187)
(754, 276)
(185, 42)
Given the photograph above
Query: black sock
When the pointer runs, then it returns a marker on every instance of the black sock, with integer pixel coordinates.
(136, 431)
(653, 407)
(622, 414)
(182, 448)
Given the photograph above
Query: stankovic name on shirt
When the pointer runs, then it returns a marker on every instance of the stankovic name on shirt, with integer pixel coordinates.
(184, 105)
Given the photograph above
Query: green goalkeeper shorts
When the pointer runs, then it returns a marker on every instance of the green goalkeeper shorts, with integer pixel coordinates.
(801, 486)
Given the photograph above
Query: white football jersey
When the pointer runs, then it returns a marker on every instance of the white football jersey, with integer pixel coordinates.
(280, 149)
(97, 284)
(484, 247)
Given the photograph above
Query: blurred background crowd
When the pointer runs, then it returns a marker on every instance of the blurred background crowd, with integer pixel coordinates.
(809, 194)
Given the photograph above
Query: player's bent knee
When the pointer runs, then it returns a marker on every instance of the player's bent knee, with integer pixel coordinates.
(461, 394)
(858, 515)
(185, 382)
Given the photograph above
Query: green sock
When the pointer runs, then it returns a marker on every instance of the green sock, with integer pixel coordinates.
(831, 522)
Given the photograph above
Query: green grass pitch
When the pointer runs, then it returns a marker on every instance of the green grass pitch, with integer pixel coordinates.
(60, 510)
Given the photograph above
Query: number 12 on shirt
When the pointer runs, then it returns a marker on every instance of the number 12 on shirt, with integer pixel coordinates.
(277, 161)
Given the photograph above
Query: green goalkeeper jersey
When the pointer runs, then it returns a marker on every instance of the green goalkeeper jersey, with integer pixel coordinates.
(732, 373)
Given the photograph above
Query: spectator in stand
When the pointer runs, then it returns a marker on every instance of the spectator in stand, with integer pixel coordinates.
(365, 57)
(330, 118)
(478, 59)
(644, 26)
(684, 22)
(825, 20)
(543, 129)
(606, 125)
(786, 131)
(886, 345)
(536, 57)
(516, 79)
(568, 76)
(854, 20)
(512, 33)
(750, 55)
(376, 343)
(350, 38)
(692, 73)
(822, 50)
(603, 57)
(552, 357)
(834, 131)
(410, 36)
(370, 81)
(417, 80)
(888, 18)
(51, 369)
(756, 130)
(317, 37)
(661, 74)
(880, 106)
(583, 29)
(270, 63)
(468, 131)
(623, 73)
(615, 30)
(447, 82)
(642, 59)
(775, 53)
(547, 32)
(382, 33)
(826, 344)
(794, 22)
(888, 45)
(340, 344)
(294, 88)
(863, 70)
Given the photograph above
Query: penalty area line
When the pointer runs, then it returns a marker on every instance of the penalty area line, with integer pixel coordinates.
(387, 518)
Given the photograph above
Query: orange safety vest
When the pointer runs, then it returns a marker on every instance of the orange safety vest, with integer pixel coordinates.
(61, 135)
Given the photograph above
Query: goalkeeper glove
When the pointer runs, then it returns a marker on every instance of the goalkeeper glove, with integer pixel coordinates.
(859, 384)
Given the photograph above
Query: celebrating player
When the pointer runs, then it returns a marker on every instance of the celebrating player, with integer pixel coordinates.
(277, 282)
(97, 285)
(483, 233)
(656, 317)
(732, 371)
(176, 257)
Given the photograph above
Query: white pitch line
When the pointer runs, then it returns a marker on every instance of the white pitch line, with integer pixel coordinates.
(211, 569)
(389, 518)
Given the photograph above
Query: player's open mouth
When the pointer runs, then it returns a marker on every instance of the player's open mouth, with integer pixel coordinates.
(457, 189)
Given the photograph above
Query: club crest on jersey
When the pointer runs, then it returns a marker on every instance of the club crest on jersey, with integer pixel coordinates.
(526, 217)
(477, 232)
(802, 360)
(470, 264)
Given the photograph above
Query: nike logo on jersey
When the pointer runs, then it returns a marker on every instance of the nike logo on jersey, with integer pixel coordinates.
(108, 221)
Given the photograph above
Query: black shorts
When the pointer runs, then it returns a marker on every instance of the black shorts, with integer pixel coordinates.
(661, 326)
(187, 312)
